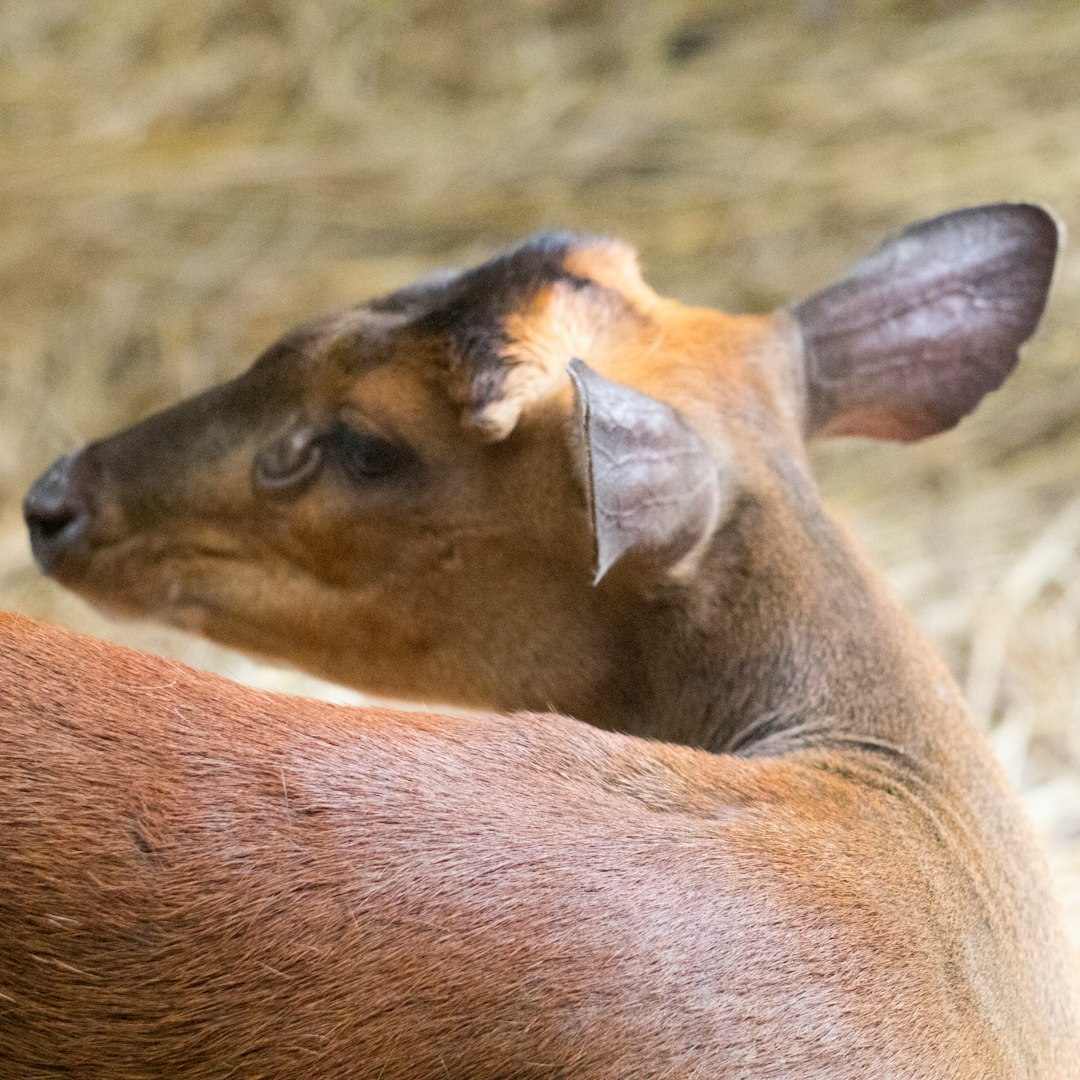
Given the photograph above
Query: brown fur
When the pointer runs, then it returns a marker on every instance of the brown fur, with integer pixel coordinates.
(201, 880)
(829, 879)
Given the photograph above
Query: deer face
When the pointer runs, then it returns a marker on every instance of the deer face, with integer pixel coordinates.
(393, 496)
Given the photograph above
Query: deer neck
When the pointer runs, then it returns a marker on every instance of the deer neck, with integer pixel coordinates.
(796, 645)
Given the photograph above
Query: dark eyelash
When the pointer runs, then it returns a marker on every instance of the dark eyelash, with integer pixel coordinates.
(363, 456)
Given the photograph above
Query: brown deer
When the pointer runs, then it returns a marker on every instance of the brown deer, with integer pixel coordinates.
(534, 485)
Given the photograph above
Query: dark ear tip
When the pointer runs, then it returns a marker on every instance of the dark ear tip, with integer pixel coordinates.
(1027, 223)
(1043, 223)
(1045, 233)
(579, 371)
(1038, 234)
(1034, 227)
(1026, 234)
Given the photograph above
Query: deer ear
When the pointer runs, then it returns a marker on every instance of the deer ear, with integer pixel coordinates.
(653, 484)
(915, 335)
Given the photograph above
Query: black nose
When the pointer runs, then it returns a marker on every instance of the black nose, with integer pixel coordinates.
(55, 515)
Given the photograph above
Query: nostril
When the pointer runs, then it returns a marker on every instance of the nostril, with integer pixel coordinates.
(54, 513)
(49, 519)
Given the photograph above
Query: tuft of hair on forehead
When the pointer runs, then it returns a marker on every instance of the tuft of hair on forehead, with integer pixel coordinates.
(511, 325)
(499, 285)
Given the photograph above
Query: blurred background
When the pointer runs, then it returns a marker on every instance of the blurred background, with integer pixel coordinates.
(180, 183)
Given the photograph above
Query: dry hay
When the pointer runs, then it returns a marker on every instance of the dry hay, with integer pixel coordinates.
(181, 182)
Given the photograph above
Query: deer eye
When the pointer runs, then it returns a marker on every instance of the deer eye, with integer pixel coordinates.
(361, 455)
(289, 463)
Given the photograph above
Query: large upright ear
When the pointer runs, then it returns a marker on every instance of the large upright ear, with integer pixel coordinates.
(911, 340)
(654, 486)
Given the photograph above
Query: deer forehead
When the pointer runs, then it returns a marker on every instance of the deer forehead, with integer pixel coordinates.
(481, 348)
